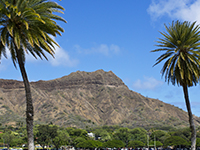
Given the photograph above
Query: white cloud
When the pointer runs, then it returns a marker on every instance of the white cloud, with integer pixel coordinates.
(114, 48)
(188, 10)
(100, 49)
(62, 58)
(103, 49)
(147, 83)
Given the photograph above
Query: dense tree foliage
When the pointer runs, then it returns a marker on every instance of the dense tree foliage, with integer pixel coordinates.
(123, 134)
(46, 134)
(74, 132)
(114, 143)
(62, 138)
(102, 135)
(136, 144)
(159, 135)
(90, 144)
(184, 133)
(78, 140)
(198, 142)
(155, 143)
(138, 134)
(59, 136)
(8, 137)
(176, 141)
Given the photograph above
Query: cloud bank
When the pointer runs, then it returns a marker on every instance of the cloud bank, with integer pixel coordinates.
(62, 58)
(149, 83)
(106, 50)
(188, 10)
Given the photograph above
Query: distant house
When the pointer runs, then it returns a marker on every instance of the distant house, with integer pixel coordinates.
(92, 135)
(67, 147)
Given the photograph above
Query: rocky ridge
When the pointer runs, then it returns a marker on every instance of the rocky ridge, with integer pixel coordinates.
(86, 99)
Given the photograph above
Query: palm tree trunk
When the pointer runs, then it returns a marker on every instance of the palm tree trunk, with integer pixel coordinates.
(29, 104)
(191, 121)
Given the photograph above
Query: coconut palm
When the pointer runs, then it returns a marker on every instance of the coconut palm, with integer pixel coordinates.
(181, 45)
(27, 27)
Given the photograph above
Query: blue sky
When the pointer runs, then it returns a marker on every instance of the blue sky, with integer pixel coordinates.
(115, 35)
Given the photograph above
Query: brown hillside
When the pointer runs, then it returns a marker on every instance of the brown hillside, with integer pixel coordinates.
(87, 99)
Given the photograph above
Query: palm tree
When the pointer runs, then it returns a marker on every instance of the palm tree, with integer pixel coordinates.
(181, 46)
(27, 26)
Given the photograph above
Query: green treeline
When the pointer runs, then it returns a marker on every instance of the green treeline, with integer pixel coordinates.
(99, 137)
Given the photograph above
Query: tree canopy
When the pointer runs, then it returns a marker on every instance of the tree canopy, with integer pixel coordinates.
(176, 141)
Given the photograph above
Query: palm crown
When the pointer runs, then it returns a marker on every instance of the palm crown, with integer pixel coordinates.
(181, 46)
(26, 26)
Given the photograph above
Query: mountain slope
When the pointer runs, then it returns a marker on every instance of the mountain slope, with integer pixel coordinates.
(87, 99)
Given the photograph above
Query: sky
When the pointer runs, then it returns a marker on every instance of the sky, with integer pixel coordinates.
(115, 35)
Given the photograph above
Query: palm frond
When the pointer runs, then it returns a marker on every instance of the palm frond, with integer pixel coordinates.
(26, 26)
(181, 45)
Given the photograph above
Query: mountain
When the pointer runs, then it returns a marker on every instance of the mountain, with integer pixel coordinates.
(87, 99)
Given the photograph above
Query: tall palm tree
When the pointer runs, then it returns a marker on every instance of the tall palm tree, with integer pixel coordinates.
(27, 26)
(181, 46)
